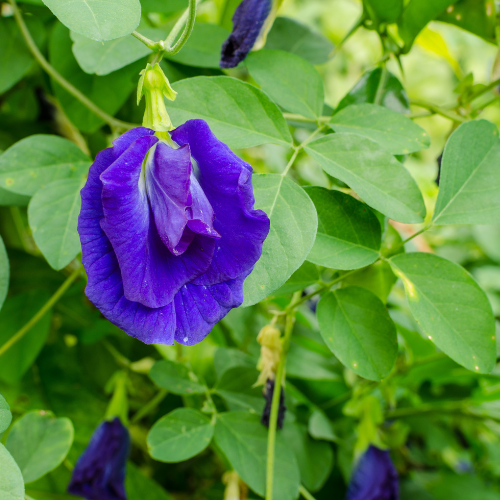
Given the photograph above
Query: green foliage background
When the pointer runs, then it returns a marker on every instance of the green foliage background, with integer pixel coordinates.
(400, 348)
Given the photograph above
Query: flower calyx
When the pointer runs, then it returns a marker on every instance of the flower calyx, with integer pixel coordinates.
(153, 85)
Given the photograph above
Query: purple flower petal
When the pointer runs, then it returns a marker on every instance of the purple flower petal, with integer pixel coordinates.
(248, 20)
(227, 182)
(151, 274)
(374, 478)
(99, 473)
(198, 308)
(104, 287)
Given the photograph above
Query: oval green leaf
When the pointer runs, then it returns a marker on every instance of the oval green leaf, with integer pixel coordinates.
(292, 36)
(36, 161)
(238, 113)
(243, 439)
(103, 58)
(180, 435)
(349, 233)
(291, 236)
(11, 479)
(5, 414)
(469, 185)
(391, 93)
(39, 443)
(356, 326)
(97, 19)
(379, 179)
(176, 378)
(393, 131)
(289, 80)
(450, 307)
(53, 217)
(14, 314)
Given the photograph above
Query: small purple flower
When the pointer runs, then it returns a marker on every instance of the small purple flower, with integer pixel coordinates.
(374, 478)
(99, 473)
(167, 244)
(248, 20)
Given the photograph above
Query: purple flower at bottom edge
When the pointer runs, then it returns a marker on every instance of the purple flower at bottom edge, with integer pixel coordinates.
(374, 478)
(166, 249)
(99, 473)
(248, 20)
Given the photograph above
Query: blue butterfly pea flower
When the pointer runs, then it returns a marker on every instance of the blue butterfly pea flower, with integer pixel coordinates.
(249, 19)
(99, 473)
(169, 234)
(374, 478)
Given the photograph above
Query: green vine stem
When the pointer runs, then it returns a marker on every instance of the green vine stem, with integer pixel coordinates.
(110, 120)
(41, 313)
(438, 110)
(273, 419)
(305, 493)
(188, 18)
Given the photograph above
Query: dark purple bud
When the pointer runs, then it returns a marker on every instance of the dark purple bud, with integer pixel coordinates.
(248, 21)
(99, 473)
(374, 478)
(268, 395)
(439, 159)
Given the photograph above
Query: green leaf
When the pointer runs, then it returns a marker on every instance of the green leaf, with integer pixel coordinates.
(180, 435)
(176, 378)
(291, 236)
(226, 358)
(11, 479)
(162, 6)
(8, 198)
(475, 16)
(450, 307)
(416, 16)
(320, 427)
(391, 92)
(243, 439)
(141, 487)
(314, 458)
(5, 414)
(37, 160)
(103, 58)
(379, 179)
(349, 233)
(53, 217)
(393, 131)
(15, 58)
(238, 113)
(356, 326)
(16, 312)
(4, 273)
(108, 92)
(39, 443)
(291, 36)
(98, 19)
(309, 365)
(384, 11)
(203, 46)
(307, 274)
(236, 388)
(488, 239)
(469, 186)
(289, 80)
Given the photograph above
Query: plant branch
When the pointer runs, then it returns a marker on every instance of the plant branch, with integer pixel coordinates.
(110, 120)
(273, 419)
(150, 44)
(438, 110)
(41, 313)
(305, 493)
(188, 18)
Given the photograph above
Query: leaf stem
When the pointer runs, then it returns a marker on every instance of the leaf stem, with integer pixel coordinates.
(299, 118)
(41, 313)
(438, 110)
(381, 85)
(150, 406)
(273, 419)
(150, 44)
(305, 493)
(110, 120)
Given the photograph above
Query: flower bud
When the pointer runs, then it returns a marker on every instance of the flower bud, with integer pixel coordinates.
(153, 85)
(270, 353)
